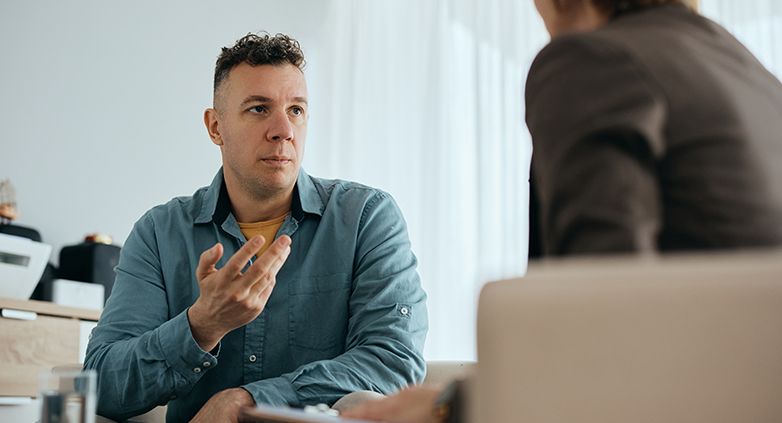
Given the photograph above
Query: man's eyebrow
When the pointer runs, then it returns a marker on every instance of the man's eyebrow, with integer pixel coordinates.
(262, 99)
(256, 99)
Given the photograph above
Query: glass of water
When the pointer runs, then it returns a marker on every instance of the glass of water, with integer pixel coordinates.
(67, 396)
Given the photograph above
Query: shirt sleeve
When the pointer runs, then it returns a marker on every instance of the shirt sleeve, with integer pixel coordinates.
(597, 121)
(387, 325)
(142, 356)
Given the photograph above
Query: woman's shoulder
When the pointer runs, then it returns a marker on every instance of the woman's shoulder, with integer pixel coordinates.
(578, 56)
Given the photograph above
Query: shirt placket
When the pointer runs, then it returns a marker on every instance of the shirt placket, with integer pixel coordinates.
(255, 331)
(252, 359)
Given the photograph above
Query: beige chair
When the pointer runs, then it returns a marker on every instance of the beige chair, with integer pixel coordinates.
(690, 339)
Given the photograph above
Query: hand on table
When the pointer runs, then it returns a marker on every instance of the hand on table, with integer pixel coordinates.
(224, 407)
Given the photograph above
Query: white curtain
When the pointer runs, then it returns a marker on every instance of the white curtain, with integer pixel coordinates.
(424, 99)
(756, 23)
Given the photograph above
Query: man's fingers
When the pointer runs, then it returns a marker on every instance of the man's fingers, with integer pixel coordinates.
(236, 263)
(263, 288)
(207, 261)
(279, 261)
(261, 282)
(270, 262)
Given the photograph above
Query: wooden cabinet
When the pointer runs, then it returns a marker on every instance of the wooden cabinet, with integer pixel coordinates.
(54, 337)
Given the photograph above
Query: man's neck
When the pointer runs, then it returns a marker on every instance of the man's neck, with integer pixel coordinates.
(249, 209)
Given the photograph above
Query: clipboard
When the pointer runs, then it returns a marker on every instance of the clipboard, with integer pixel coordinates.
(267, 414)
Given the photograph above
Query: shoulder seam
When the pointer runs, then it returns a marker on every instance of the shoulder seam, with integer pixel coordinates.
(377, 196)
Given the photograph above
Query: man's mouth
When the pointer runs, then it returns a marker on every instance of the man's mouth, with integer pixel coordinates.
(279, 160)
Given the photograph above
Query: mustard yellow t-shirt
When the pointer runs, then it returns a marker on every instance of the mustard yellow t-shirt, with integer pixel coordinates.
(267, 228)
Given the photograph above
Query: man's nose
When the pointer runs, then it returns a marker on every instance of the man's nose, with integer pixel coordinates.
(281, 128)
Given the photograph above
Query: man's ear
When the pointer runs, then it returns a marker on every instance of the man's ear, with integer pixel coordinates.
(212, 126)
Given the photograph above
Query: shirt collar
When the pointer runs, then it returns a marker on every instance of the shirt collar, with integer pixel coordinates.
(307, 195)
(215, 205)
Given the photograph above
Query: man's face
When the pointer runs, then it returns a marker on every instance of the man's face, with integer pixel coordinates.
(260, 124)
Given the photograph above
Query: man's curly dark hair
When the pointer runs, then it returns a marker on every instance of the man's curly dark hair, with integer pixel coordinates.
(255, 50)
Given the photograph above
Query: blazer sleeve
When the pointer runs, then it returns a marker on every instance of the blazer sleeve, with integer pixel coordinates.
(597, 123)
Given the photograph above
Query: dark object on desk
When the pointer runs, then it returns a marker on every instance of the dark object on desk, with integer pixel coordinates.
(21, 231)
(90, 262)
(43, 291)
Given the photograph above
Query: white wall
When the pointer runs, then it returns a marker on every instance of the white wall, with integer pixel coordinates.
(101, 103)
(101, 107)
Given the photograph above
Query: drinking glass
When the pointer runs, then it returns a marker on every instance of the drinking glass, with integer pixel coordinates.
(67, 396)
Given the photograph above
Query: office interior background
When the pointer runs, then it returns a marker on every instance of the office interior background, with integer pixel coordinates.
(102, 104)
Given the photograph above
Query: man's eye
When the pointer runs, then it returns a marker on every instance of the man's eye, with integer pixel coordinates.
(258, 109)
(297, 111)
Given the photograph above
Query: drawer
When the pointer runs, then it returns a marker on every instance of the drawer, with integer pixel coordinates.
(28, 347)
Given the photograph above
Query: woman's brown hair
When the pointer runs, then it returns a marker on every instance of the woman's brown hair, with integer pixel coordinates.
(615, 7)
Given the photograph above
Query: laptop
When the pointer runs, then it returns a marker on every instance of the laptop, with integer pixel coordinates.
(695, 339)
(22, 263)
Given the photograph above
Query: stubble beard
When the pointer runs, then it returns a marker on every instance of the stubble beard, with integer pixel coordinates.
(262, 189)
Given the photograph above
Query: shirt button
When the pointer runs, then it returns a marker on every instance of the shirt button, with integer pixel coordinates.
(252, 358)
(404, 311)
(206, 364)
(196, 370)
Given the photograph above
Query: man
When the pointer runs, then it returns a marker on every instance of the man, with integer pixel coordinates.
(210, 313)
(654, 130)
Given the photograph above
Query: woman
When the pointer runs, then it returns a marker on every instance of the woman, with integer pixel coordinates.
(653, 130)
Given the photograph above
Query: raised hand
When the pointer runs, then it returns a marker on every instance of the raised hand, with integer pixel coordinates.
(229, 298)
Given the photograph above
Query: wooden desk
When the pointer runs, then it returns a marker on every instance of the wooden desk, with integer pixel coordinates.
(54, 338)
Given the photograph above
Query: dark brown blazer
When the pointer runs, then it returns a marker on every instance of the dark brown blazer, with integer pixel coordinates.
(658, 131)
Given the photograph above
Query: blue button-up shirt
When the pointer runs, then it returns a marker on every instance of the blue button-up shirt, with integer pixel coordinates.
(347, 313)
